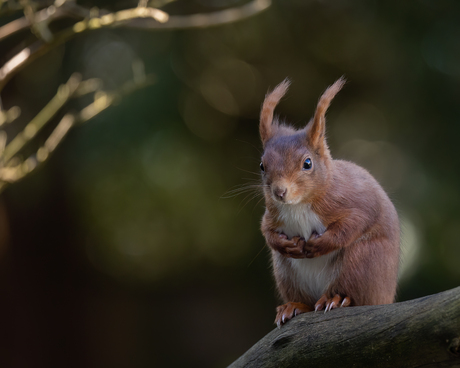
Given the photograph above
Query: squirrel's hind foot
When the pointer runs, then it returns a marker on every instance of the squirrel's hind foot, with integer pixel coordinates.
(331, 303)
(288, 311)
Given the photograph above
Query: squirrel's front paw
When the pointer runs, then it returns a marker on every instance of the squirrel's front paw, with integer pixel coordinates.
(293, 248)
(316, 246)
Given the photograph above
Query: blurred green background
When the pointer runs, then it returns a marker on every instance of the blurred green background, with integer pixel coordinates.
(122, 250)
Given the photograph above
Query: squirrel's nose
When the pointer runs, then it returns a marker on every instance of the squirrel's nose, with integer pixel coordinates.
(280, 193)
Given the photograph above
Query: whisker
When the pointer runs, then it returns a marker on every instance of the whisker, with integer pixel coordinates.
(257, 204)
(255, 184)
(251, 190)
(250, 181)
(258, 254)
(246, 188)
(249, 197)
(258, 150)
(246, 201)
(253, 181)
(249, 172)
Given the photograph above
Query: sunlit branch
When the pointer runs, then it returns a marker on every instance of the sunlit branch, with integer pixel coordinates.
(205, 19)
(71, 9)
(42, 18)
(65, 92)
(40, 29)
(140, 17)
(32, 52)
(14, 168)
(11, 6)
(46, 15)
(37, 16)
(9, 115)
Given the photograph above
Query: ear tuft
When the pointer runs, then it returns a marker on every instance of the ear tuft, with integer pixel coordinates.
(318, 127)
(266, 115)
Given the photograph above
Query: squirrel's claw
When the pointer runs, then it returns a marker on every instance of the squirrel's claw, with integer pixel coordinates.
(292, 248)
(331, 303)
(345, 302)
(288, 311)
(321, 303)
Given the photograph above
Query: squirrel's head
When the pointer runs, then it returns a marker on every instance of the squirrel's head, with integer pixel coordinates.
(296, 163)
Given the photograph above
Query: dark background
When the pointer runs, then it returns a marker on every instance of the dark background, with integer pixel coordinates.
(122, 250)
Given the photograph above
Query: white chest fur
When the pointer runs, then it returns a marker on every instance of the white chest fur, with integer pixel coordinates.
(311, 276)
(299, 220)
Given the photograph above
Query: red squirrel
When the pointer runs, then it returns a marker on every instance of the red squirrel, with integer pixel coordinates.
(333, 232)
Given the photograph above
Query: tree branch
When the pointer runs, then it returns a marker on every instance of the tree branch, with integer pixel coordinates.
(134, 20)
(420, 332)
(146, 18)
(204, 19)
(13, 169)
(12, 166)
(46, 15)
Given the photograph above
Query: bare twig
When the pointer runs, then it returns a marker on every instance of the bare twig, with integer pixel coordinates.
(205, 19)
(10, 115)
(140, 17)
(46, 15)
(37, 16)
(9, 6)
(70, 9)
(65, 92)
(35, 50)
(14, 168)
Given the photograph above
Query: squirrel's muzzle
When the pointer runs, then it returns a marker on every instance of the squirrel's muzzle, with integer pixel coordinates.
(280, 193)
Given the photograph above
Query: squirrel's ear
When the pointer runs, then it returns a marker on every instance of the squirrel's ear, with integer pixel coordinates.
(316, 129)
(266, 128)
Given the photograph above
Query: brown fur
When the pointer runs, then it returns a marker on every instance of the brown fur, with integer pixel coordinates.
(361, 224)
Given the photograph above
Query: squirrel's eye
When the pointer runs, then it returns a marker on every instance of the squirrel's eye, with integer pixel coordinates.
(307, 164)
(262, 166)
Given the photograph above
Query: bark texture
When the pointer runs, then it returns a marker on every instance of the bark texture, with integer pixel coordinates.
(423, 332)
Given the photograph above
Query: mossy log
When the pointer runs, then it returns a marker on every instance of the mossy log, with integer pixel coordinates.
(423, 332)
